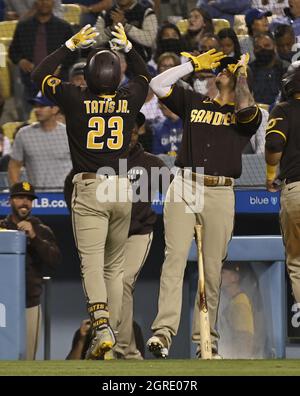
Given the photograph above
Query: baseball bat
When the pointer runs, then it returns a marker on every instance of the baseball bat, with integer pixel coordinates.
(205, 339)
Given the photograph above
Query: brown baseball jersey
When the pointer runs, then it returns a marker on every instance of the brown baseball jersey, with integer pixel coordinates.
(282, 135)
(213, 136)
(98, 127)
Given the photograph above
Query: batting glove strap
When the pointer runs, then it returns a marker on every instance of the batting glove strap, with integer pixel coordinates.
(83, 39)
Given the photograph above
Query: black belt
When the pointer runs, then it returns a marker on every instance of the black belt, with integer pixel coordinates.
(210, 181)
(87, 175)
(292, 179)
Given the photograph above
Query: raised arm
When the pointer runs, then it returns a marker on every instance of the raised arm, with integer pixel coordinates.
(243, 96)
(120, 42)
(162, 83)
(83, 39)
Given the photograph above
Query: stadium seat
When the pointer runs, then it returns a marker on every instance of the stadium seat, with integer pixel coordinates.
(9, 129)
(5, 80)
(7, 29)
(220, 24)
(71, 13)
(239, 25)
(182, 25)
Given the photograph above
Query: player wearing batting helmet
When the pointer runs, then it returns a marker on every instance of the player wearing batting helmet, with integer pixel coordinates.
(209, 159)
(99, 119)
(283, 148)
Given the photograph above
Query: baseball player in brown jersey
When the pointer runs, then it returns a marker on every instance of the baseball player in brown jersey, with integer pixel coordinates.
(283, 147)
(215, 133)
(99, 119)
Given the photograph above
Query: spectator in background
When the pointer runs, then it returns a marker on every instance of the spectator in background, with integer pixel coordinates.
(90, 9)
(208, 42)
(275, 6)
(267, 69)
(5, 149)
(257, 23)
(42, 253)
(124, 79)
(21, 9)
(150, 108)
(76, 74)
(230, 45)
(168, 39)
(236, 320)
(140, 25)
(42, 148)
(224, 9)
(285, 39)
(199, 23)
(167, 136)
(292, 17)
(81, 341)
(168, 60)
(34, 39)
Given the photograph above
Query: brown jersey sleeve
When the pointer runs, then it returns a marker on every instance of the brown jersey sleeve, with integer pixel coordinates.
(248, 120)
(277, 130)
(177, 100)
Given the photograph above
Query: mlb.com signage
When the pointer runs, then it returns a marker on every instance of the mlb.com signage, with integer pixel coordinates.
(247, 201)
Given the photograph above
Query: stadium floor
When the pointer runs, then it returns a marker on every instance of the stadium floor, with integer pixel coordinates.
(151, 367)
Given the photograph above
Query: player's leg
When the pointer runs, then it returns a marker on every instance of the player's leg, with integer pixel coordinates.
(136, 252)
(90, 227)
(217, 219)
(179, 232)
(114, 261)
(290, 226)
(33, 328)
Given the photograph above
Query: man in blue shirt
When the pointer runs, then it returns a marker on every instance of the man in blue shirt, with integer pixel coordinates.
(167, 135)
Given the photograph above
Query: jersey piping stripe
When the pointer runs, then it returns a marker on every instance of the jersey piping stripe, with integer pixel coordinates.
(43, 83)
(251, 118)
(106, 96)
(141, 75)
(276, 131)
(167, 94)
(219, 103)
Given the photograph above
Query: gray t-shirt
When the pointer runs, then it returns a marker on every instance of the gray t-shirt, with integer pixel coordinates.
(45, 155)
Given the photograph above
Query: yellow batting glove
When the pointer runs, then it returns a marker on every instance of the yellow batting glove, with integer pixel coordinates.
(120, 40)
(271, 172)
(83, 39)
(208, 60)
(242, 64)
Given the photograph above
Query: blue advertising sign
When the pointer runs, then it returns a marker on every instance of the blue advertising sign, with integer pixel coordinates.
(246, 201)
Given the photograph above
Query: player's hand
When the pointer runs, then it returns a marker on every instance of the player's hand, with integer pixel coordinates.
(272, 185)
(27, 227)
(26, 66)
(117, 16)
(208, 60)
(83, 39)
(241, 65)
(120, 41)
(85, 327)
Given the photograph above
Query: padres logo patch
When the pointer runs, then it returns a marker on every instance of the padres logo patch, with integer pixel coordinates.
(26, 186)
(53, 82)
